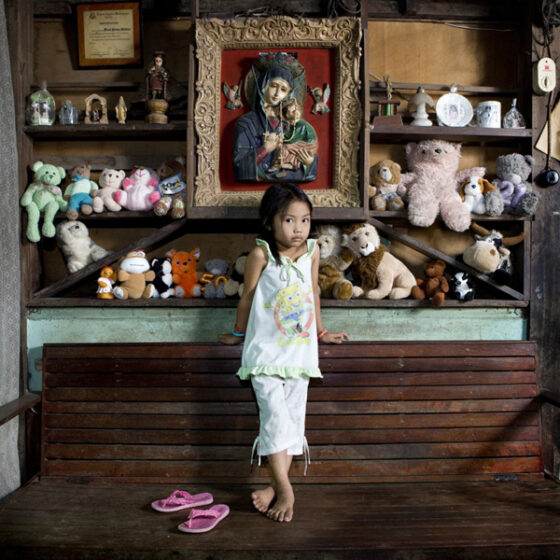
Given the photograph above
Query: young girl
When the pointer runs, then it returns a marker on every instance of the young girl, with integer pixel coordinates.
(279, 318)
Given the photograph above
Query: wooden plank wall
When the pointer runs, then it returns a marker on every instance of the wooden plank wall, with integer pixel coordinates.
(384, 412)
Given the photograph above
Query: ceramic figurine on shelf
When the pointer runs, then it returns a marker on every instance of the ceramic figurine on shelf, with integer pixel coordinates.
(320, 96)
(96, 110)
(233, 96)
(157, 77)
(105, 282)
(41, 107)
(417, 107)
(68, 114)
(120, 111)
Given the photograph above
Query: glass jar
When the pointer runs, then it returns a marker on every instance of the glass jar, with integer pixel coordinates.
(41, 108)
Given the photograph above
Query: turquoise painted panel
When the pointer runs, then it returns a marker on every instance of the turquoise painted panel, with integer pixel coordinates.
(50, 325)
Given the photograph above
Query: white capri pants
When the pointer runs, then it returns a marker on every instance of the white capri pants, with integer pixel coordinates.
(282, 404)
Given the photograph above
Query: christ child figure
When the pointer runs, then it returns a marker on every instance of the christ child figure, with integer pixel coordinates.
(298, 146)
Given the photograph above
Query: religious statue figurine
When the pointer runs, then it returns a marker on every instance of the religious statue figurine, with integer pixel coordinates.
(320, 96)
(96, 110)
(157, 77)
(120, 111)
(272, 142)
(299, 144)
(233, 96)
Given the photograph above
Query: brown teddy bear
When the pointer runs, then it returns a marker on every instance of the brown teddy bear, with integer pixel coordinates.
(385, 189)
(434, 286)
(380, 273)
(333, 262)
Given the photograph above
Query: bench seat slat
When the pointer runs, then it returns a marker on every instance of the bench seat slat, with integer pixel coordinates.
(166, 379)
(241, 469)
(320, 452)
(326, 393)
(328, 364)
(334, 422)
(210, 350)
(317, 437)
(316, 407)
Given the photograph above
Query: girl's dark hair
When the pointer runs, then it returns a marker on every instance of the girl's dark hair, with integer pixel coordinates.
(276, 200)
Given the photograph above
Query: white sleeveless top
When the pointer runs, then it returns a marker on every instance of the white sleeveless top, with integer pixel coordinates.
(281, 335)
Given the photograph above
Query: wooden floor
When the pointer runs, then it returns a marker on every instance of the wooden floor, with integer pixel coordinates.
(451, 521)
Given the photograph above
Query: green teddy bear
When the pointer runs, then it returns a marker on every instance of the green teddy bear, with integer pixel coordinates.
(43, 195)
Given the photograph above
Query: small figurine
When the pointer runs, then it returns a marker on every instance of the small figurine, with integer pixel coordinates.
(68, 114)
(320, 96)
(120, 111)
(233, 96)
(96, 110)
(513, 118)
(387, 107)
(417, 107)
(157, 77)
(107, 277)
(298, 146)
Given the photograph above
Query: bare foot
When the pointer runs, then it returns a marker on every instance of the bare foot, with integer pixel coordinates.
(263, 498)
(283, 508)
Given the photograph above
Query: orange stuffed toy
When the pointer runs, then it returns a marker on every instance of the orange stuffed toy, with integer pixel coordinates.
(185, 276)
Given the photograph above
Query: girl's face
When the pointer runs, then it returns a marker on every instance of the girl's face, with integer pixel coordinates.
(291, 228)
(277, 90)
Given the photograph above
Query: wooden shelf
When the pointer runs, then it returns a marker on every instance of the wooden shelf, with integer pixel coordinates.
(402, 215)
(232, 303)
(406, 133)
(132, 130)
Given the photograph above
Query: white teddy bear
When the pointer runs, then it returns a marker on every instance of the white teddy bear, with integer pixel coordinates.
(109, 182)
(77, 246)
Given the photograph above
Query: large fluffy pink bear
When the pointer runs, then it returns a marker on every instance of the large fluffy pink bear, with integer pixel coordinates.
(432, 180)
(139, 191)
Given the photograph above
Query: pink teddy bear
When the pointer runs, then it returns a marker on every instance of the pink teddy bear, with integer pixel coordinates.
(432, 182)
(139, 190)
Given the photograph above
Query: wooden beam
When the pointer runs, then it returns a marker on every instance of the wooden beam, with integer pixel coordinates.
(17, 407)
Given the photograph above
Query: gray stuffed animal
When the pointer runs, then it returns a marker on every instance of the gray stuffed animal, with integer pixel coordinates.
(513, 171)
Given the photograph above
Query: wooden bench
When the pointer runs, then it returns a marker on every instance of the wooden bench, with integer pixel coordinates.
(453, 417)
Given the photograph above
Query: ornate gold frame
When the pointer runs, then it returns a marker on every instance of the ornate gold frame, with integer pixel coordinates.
(343, 35)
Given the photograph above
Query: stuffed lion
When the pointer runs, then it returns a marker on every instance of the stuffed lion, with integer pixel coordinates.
(380, 273)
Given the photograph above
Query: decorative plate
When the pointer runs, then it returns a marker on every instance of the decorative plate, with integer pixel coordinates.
(453, 109)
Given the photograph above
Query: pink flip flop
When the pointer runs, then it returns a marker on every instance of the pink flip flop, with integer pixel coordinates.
(202, 520)
(179, 499)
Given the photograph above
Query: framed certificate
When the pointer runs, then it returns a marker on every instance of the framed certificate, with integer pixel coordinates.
(109, 34)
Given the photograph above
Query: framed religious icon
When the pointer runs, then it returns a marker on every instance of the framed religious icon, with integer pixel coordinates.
(109, 34)
(277, 100)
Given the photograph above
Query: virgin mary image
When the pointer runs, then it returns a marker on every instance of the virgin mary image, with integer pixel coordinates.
(272, 142)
